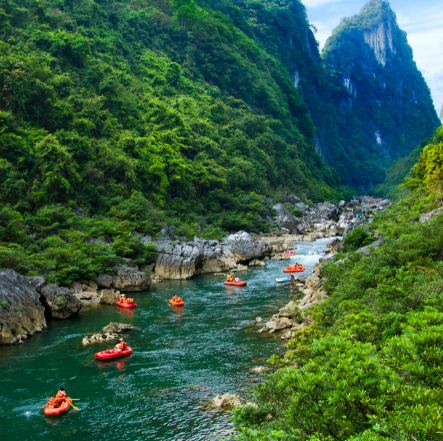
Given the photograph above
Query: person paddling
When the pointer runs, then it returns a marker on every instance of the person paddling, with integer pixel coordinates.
(60, 397)
(120, 346)
(52, 403)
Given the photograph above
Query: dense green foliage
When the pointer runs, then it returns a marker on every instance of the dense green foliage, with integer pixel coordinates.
(370, 367)
(142, 113)
(401, 169)
(386, 108)
(391, 99)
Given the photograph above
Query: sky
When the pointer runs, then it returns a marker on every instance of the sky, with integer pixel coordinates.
(422, 21)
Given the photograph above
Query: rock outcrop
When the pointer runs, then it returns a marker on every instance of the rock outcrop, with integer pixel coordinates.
(113, 331)
(86, 292)
(21, 312)
(61, 301)
(334, 246)
(292, 318)
(185, 259)
(226, 401)
(126, 279)
(109, 296)
(259, 370)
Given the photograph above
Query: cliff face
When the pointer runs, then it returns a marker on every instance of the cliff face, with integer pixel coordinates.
(385, 107)
(21, 313)
(369, 103)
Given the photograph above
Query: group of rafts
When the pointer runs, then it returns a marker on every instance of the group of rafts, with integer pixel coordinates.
(290, 270)
(61, 403)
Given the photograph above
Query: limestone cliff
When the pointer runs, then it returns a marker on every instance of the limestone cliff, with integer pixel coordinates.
(368, 101)
(385, 108)
(21, 313)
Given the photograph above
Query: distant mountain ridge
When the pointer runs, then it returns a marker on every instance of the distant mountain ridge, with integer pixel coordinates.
(369, 103)
(387, 106)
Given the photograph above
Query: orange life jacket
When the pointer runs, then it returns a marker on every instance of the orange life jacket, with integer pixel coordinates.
(121, 345)
(61, 395)
(53, 403)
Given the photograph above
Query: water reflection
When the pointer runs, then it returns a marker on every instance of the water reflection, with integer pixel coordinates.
(113, 364)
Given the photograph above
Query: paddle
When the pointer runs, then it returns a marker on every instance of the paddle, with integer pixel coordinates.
(76, 408)
(42, 408)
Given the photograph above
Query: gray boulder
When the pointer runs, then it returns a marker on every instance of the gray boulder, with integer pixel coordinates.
(126, 279)
(284, 218)
(113, 331)
(21, 313)
(146, 240)
(61, 301)
(38, 282)
(181, 261)
(244, 248)
(117, 328)
(327, 210)
(109, 296)
(226, 401)
(185, 259)
(302, 207)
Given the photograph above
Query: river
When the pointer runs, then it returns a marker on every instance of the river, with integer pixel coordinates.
(182, 357)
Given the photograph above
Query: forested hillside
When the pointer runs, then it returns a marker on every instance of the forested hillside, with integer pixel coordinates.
(369, 103)
(139, 113)
(387, 108)
(369, 368)
(119, 117)
(402, 168)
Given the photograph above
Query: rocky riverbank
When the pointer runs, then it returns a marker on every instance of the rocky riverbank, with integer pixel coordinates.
(324, 220)
(28, 302)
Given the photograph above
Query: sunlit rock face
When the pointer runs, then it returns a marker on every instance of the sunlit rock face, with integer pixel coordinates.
(380, 40)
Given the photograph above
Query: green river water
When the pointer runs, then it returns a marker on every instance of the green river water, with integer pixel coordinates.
(182, 358)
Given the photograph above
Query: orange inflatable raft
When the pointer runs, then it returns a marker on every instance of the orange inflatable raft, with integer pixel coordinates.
(112, 353)
(243, 283)
(299, 269)
(176, 302)
(54, 411)
(126, 305)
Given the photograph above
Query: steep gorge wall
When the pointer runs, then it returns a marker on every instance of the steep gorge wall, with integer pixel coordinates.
(369, 103)
(387, 108)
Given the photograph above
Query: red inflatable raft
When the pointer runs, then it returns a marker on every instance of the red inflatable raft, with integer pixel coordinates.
(111, 353)
(58, 410)
(174, 303)
(126, 305)
(243, 283)
(294, 270)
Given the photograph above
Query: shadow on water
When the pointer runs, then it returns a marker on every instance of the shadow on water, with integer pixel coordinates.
(182, 357)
